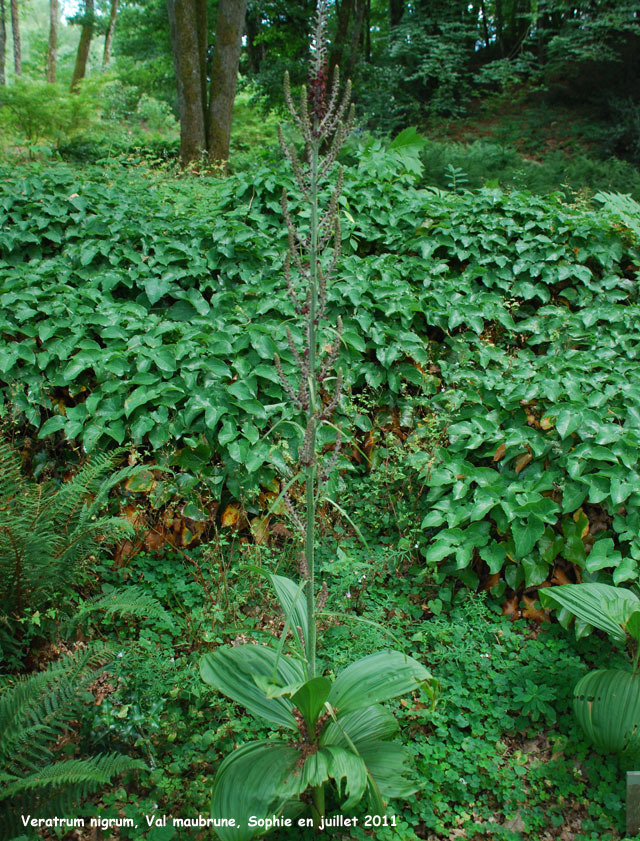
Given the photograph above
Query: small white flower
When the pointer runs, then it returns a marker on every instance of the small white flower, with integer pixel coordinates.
(415, 545)
(120, 655)
(348, 595)
(462, 780)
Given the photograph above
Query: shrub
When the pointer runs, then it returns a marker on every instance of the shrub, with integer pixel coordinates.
(42, 112)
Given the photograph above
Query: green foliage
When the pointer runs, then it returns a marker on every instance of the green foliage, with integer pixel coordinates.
(606, 701)
(614, 610)
(607, 705)
(41, 112)
(47, 536)
(487, 163)
(518, 303)
(342, 733)
(35, 713)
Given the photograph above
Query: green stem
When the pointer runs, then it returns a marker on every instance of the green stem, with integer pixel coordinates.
(318, 806)
(311, 414)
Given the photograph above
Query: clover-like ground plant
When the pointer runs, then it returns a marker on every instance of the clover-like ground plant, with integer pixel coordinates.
(335, 731)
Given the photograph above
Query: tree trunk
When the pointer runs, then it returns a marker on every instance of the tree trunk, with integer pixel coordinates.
(108, 37)
(396, 11)
(86, 35)
(52, 54)
(342, 32)
(15, 28)
(185, 17)
(254, 54)
(367, 32)
(224, 76)
(3, 43)
(356, 37)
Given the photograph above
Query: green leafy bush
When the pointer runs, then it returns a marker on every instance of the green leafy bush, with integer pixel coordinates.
(39, 111)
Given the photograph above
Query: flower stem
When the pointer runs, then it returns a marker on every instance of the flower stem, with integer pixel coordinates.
(312, 411)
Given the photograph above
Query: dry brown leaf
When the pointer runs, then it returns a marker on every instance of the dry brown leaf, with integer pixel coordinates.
(546, 422)
(522, 461)
(530, 611)
(560, 576)
(280, 530)
(510, 608)
(492, 581)
(155, 539)
(190, 530)
(500, 452)
(230, 516)
(260, 530)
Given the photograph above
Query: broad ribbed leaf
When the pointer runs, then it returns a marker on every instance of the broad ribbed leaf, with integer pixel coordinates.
(232, 670)
(601, 605)
(293, 601)
(369, 724)
(340, 765)
(390, 766)
(255, 780)
(607, 705)
(310, 698)
(376, 678)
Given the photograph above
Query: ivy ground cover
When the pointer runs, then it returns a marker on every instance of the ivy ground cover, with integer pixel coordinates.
(136, 311)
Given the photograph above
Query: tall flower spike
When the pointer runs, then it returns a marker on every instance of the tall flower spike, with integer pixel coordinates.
(314, 249)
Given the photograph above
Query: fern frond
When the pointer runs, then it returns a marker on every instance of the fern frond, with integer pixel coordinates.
(125, 600)
(34, 713)
(9, 473)
(84, 775)
(47, 532)
(54, 789)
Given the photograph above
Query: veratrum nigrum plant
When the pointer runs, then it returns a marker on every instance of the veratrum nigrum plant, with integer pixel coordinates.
(336, 731)
(606, 702)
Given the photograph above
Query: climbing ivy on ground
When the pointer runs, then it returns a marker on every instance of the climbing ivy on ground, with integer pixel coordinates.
(145, 312)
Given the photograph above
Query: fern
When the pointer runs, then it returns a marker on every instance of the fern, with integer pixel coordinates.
(48, 532)
(34, 714)
(125, 600)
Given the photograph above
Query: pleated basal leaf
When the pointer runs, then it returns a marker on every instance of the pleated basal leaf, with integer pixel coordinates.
(254, 781)
(606, 703)
(232, 671)
(377, 678)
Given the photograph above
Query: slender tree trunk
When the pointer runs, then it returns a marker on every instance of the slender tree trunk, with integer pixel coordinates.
(342, 32)
(52, 53)
(367, 32)
(108, 37)
(186, 44)
(356, 36)
(80, 69)
(253, 29)
(3, 43)
(202, 33)
(396, 10)
(15, 28)
(485, 27)
(224, 76)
